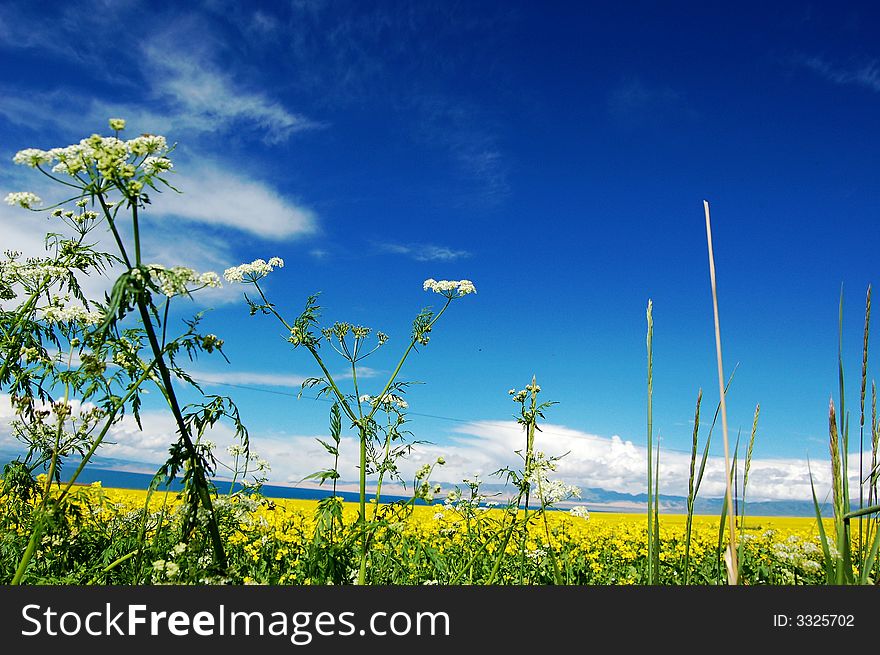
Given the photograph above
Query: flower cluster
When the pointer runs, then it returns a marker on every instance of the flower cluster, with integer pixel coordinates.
(450, 288)
(522, 394)
(24, 199)
(129, 165)
(798, 552)
(579, 511)
(175, 281)
(555, 491)
(257, 269)
(72, 314)
(388, 401)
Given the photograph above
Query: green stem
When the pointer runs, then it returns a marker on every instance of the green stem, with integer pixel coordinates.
(403, 358)
(651, 545)
(362, 516)
(112, 223)
(199, 478)
(62, 414)
(36, 533)
(137, 232)
(110, 420)
(556, 574)
(501, 550)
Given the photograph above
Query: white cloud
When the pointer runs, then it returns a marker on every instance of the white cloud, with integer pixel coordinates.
(185, 93)
(249, 377)
(633, 103)
(204, 99)
(480, 448)
(618, 465)
(424, 252)
(866, 75)
(178, 72)
(270, 379)
(214, 195)
(25, 232)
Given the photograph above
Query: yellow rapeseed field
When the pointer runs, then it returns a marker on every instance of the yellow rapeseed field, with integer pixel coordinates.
(282, 541)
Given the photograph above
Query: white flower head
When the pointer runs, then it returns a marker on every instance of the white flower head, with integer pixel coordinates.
(24, 199)
(72, 314)
(388, 401)
(117, 124)
(256, 270)
(556, 491)
(580, 511)
(449, 288)
(178, 280)
(210, 279)
(154, 165)
(32, 157)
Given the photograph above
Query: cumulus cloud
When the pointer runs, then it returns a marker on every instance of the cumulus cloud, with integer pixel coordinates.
(619, 465)
(478, 448)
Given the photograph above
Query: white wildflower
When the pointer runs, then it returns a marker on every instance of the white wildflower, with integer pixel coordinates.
(210, 279)
(72, 314)
(32, 157)
(154, 165)
(388, 401)
(580, 511)
(811, 566)
(252, 272)
(449, 288)
(175, 281)
(117, 124)
(147, 144)
(555, 491)
(236, 450)
(24, 199)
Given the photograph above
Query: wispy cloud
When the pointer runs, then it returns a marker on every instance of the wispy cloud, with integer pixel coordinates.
(205, 99)
(215, 195)
(469, 137)
(270, 379)
(424, 252)
(249, 378)
(866, 74)
(179, 71)
(633, 102)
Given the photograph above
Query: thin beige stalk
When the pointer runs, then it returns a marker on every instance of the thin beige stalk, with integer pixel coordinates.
(733, 566)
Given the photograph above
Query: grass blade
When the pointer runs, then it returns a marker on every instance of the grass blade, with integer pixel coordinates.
(734, 567)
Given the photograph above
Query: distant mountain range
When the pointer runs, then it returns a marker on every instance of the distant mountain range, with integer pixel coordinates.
(116, 473)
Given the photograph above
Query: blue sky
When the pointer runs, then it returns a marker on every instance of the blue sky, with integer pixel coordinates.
(558, 156)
